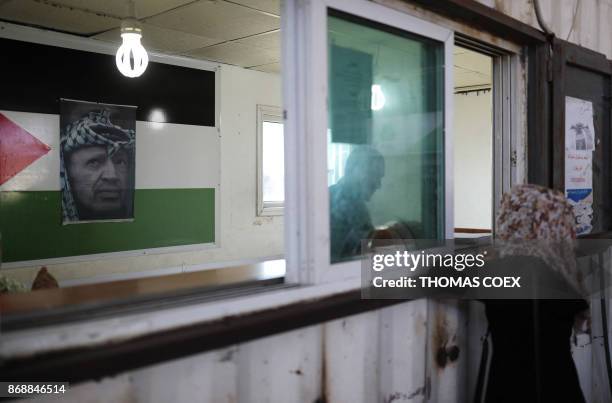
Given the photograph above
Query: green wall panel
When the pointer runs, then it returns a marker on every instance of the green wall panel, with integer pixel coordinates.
(30, 223)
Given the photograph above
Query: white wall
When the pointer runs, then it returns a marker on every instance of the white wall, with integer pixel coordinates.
(242, 234)
(473, 131)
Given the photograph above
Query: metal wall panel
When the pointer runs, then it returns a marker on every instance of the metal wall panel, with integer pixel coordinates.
(403, 352)
(351, 359)
(283, 368)
(589, 28)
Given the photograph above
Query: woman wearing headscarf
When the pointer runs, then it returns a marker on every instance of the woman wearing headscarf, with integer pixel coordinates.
(532, 359)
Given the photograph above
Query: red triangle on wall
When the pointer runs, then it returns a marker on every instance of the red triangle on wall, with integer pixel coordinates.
(18, 149)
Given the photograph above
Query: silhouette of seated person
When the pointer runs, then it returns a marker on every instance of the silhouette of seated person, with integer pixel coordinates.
(350, 221)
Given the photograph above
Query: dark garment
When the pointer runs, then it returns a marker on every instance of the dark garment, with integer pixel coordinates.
(350, 221)
(532, 360)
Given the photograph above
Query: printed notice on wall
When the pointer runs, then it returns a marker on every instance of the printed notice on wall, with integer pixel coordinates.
(579, 146)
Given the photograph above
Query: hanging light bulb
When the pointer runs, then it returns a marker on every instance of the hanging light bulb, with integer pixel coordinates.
(132, 58)
(378, 98)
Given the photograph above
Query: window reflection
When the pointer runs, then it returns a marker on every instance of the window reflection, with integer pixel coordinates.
(349, 214)
(385, 150)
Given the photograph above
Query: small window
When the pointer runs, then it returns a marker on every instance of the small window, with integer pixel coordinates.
(270, 161)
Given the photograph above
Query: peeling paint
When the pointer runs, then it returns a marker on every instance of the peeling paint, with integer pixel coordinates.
(228, 355)
(441, 357)
(500, 6)
(445, 348)
(262, 220)
(440, 338)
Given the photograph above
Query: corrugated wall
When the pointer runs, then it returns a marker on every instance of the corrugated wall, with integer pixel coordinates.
(387, 356)
(587, 23)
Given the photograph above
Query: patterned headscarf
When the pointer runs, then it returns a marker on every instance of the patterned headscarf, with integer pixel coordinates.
(94, 129)
(536, 221)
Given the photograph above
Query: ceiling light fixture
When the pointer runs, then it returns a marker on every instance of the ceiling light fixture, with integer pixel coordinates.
(131, 58)
(378, 98)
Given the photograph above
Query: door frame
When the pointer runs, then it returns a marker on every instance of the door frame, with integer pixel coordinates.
(508, 146)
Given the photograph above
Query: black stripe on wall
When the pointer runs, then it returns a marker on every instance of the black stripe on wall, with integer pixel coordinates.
(34, 77)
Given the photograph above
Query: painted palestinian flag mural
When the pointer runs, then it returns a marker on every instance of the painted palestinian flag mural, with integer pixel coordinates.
(171, 182)
(18, 149)
(175, 178)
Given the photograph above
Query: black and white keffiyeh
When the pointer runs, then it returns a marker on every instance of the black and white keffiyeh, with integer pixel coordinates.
(94, 129)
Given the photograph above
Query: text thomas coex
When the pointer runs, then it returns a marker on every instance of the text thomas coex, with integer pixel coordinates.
(411, 261)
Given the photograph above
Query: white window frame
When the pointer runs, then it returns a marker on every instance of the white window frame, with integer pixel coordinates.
(266, 113)
(509, 127)
(305, 95)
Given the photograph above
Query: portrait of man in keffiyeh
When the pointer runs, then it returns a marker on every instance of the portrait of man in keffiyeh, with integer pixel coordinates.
(96, 162)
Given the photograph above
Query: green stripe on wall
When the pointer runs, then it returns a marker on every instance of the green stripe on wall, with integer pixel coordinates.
(30, 223)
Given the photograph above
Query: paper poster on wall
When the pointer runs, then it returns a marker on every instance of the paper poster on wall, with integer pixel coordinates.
(350, 96)
(97, 161)
(579, 146)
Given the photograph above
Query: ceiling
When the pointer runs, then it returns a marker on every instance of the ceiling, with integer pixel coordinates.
(472, 69)
(239, 32)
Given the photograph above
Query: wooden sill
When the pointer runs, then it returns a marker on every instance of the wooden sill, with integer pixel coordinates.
(41, 302)
(472, 231)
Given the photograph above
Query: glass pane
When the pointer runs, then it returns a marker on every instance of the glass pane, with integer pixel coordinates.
(385, 138)
(197, 146)
(273, 163)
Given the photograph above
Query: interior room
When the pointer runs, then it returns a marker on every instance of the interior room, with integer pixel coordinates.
(473, 142)
(207, 176)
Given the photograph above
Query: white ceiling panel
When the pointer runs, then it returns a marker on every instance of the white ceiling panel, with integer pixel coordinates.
(144, 8)
(472, 68)
(269, 68)
(162, 39)
(235, 53)
(54, 17)
(269, 40)
(216, 19)
(465, 78)
(270, 6)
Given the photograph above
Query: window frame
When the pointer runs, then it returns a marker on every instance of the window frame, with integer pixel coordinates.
(508, 146)
(307, 240)
(266, 113)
